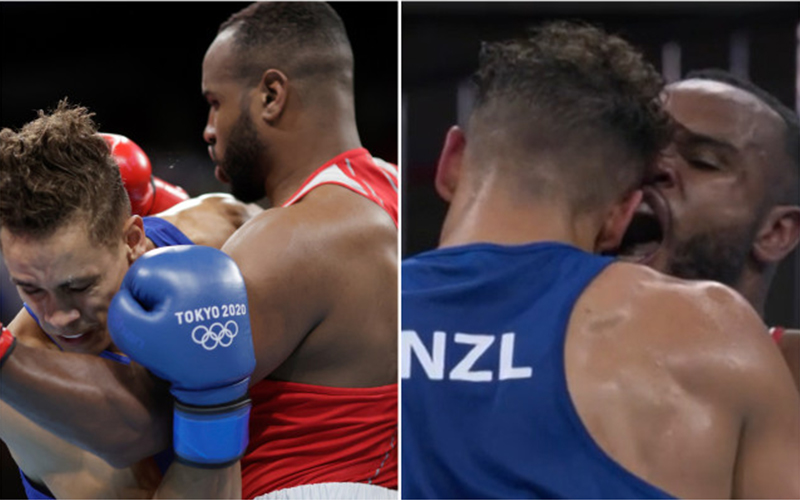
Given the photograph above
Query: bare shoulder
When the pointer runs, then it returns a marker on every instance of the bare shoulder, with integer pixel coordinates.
(307, 268)
(709, 307)
(330, 225)
(707, 333)
(210, 219)
(28, 332)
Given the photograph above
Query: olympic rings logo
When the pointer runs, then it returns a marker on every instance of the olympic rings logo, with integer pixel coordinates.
(215, 335)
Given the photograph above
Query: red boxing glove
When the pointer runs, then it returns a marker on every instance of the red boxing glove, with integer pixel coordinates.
(165, 195)
(148, 194)
(7, 343)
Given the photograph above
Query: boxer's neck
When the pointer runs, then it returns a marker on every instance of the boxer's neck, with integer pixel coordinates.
(490, 216)
(754, 287)
(313, 141)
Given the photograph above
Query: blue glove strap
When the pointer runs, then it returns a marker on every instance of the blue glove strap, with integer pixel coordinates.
(211, 437)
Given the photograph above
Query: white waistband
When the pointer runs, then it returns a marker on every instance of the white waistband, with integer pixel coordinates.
(356, 491)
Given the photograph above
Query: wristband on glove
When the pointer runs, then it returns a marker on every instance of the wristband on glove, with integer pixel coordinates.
(7, 344)
(211, 436)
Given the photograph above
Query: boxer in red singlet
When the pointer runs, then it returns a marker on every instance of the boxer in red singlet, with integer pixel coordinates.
(724, 201)
(321, 270)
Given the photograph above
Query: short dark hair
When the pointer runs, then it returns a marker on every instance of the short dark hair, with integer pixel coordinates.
(584, 99)
(788, 188)
(305, 38)
(56, 169)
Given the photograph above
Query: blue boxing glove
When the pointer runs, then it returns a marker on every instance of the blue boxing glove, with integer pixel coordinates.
(182, 313)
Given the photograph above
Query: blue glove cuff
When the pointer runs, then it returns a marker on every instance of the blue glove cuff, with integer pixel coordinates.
(219, 396)
(213, 437)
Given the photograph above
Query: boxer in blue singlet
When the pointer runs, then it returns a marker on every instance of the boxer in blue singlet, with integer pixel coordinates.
(533, 368)
(68, 237)
(161, 233)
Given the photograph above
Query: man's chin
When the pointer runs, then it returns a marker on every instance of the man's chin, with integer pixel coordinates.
(247, 194)
(221, 175)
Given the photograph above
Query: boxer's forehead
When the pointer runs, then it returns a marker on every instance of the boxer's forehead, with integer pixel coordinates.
(725, 113)
(219, 61)
(62, 257)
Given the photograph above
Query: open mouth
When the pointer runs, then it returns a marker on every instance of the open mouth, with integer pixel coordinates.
(646, 232)
(76, 337)
(72, 337)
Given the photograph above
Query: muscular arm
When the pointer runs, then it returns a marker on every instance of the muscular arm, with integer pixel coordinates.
(769, 447)
(183, 481)
(321, 282)
(120, 413)
(210, 219)
(70, 472)
(285, 289)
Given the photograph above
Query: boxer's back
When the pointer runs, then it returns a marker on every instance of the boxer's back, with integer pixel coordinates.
(557, 375)
(486, 412)
(646, 368)
(679, 383)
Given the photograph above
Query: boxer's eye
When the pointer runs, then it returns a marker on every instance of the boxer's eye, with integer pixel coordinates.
(81, 286)
(30, 290)
(702, 164)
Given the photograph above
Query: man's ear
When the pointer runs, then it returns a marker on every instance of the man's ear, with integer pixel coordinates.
(778, 234)
(448, 170)
(134, 238)
(272, 94)
(616, 222)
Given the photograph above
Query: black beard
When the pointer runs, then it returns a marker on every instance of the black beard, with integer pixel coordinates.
(721, 256)
(241, 161)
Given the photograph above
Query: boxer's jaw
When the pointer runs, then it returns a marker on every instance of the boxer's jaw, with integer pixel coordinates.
(243, 154)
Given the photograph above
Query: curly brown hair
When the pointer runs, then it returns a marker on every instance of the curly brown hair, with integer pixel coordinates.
(56, 169)
(578, 107)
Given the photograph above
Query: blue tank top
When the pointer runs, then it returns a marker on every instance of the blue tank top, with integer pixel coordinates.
(486, 412)
(162, 234)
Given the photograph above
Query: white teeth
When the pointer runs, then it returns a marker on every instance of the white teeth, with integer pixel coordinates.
(73, 336)
(644, 208)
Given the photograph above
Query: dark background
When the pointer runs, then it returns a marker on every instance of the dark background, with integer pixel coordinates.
(440, 43)
(138, 67)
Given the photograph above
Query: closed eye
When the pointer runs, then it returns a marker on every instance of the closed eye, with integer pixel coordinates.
(702, 164)
(30, 291)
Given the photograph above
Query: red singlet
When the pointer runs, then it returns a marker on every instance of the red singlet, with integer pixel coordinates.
(307, 434)
(358, 171)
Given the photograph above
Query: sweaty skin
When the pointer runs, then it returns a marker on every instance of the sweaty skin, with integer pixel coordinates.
(72, 472)
(716, 179)
(321, 274)
(321, 280)
(678, 381)
(698, 401)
